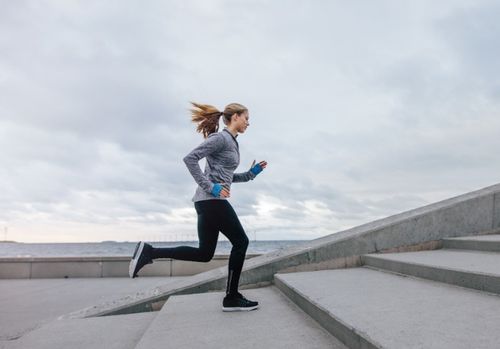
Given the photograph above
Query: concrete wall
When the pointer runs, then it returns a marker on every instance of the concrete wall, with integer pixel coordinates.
(496, 211)
(76, 267)
(473, 213)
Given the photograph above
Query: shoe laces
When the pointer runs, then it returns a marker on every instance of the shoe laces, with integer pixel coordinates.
(240, 296)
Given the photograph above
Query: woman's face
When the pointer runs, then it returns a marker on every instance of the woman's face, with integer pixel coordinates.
(241, 121)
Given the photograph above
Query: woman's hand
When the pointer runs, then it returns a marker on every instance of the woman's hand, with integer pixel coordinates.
(256, 169)
(225, 193)
(220, 191)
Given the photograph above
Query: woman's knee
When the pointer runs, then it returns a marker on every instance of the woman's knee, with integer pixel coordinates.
(245, 242)
(241, 244)
(206, 255)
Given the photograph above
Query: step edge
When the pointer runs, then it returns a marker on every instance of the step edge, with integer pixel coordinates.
(471, 238)
(151, 323)
(347, 334)
(458, 276)
(297, 308)
(471, 245)
(434, 267)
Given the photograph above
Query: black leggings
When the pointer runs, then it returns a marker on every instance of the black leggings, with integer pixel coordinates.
(214, 216)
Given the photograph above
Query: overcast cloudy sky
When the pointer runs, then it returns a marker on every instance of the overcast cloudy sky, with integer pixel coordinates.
(362, 109)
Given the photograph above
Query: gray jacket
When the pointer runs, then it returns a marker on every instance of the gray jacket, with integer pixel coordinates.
(222, 154)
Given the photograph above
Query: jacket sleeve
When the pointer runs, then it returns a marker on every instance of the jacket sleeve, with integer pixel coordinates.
(243, 177)
(213, 144)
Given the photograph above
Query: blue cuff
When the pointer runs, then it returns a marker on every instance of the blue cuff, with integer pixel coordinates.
(256, 169)
(216, 190)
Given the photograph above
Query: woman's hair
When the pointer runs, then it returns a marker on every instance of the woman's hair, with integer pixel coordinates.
(207, 116)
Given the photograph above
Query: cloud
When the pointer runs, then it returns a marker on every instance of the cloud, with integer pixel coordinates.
(361, 110)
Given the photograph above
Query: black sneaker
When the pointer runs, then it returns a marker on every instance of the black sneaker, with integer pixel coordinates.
(141, 257)
(238, 303)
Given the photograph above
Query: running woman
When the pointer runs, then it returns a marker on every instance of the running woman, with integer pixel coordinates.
(215, 213)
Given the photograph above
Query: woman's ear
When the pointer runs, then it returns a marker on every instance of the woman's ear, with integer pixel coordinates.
(234, 117)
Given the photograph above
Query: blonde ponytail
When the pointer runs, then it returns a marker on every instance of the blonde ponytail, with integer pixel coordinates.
(207, 116)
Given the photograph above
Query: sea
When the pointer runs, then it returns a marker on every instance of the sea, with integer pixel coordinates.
(126, 248)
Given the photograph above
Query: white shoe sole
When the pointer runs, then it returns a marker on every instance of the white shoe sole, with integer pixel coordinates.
(239, 309)
(135, 259)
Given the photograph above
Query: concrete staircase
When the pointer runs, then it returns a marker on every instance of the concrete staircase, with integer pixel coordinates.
(444, 298)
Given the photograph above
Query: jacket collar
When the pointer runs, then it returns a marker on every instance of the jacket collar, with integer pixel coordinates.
(225, 129)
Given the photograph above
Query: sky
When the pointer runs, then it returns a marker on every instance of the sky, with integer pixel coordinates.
(362, 109)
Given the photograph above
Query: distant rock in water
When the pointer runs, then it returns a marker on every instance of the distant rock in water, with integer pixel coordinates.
(8, 241)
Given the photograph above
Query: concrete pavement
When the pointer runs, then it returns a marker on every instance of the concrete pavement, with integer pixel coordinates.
(27, 303)
(109, 332)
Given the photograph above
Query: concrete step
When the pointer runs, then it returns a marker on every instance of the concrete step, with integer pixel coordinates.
(480, 243)
(197, 321)
(471, 269)
(119, 331)
(366, 308)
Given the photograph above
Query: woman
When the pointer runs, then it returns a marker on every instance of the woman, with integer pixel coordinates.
(215, 213)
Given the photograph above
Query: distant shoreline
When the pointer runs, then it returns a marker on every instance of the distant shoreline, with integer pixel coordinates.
(22, 249)
(134, 242)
